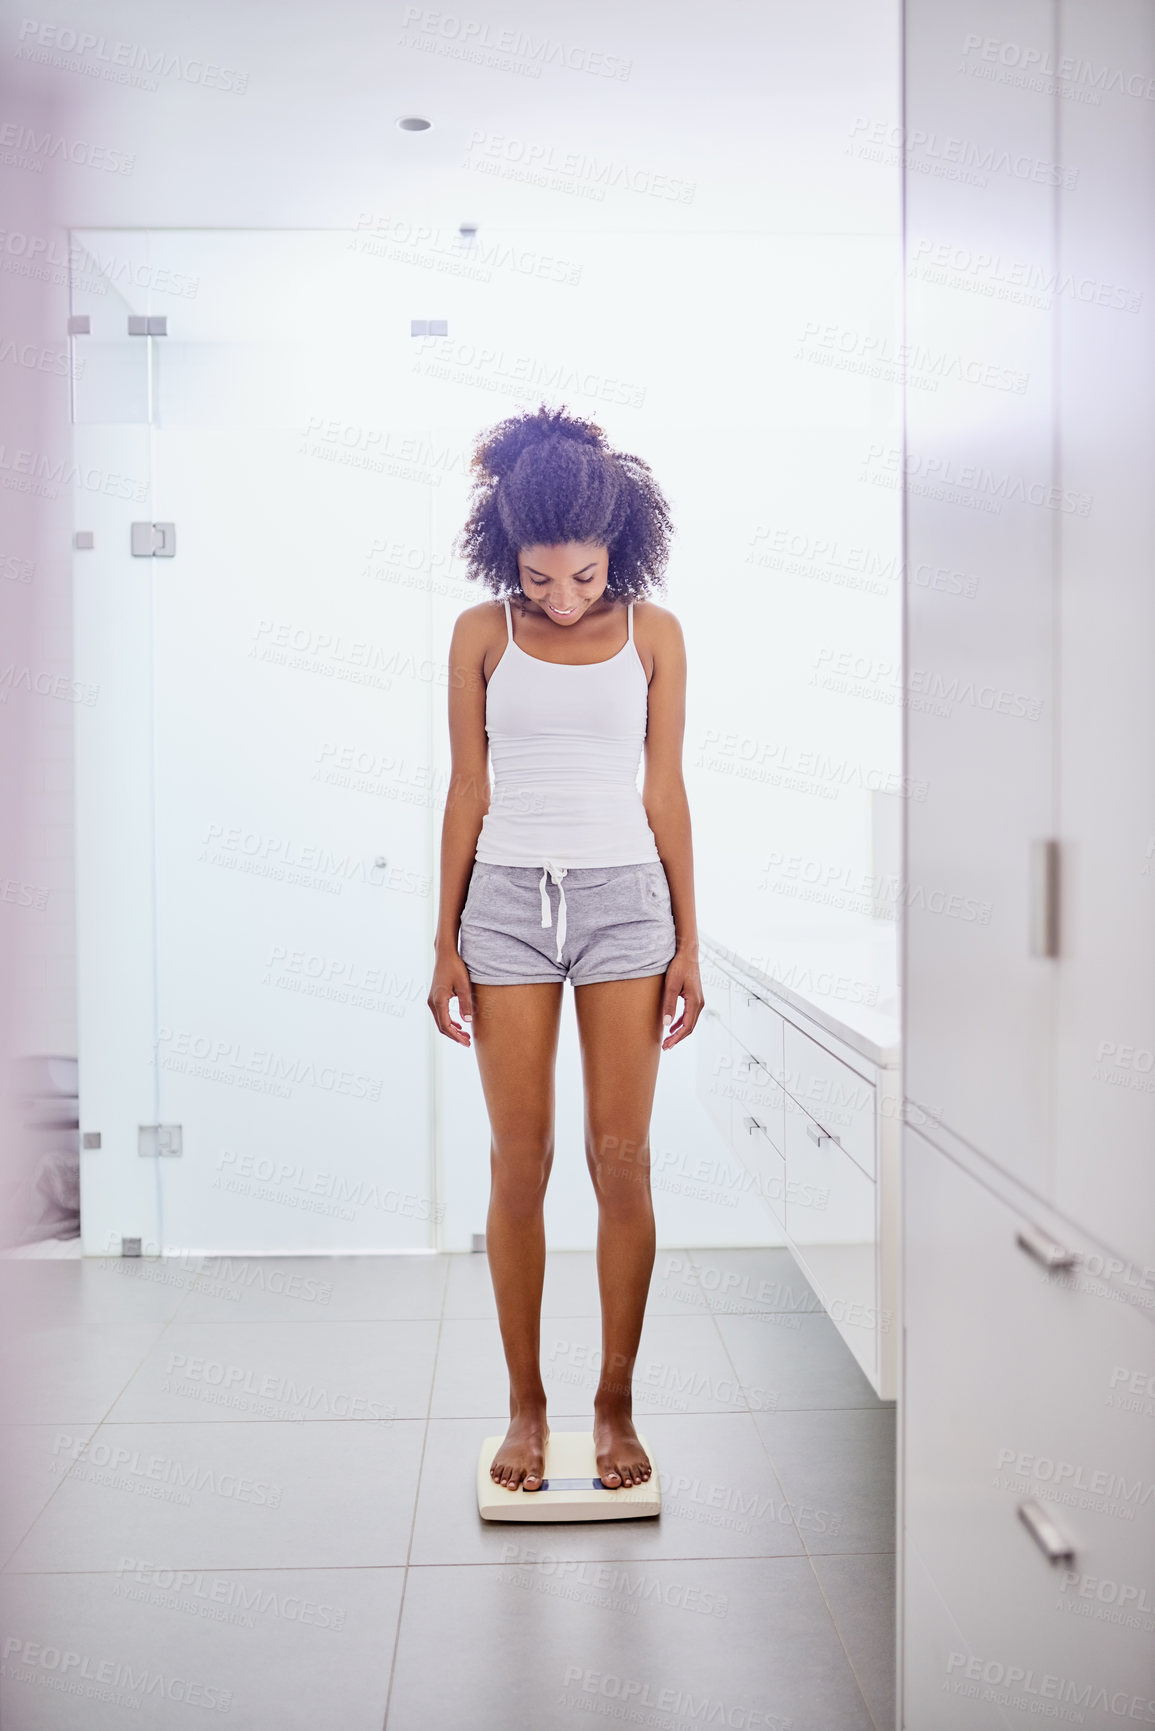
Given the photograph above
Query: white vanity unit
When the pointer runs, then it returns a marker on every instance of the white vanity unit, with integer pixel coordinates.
(805, 1093)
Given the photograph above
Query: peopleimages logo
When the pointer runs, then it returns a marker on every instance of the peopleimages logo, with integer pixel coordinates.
(976, 484)
(1013, 1684)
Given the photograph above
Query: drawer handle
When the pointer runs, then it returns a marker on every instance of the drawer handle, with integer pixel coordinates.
(753, 1124)
(1046, 1534)
(1044, 1249)
(819, 1136)
(1044, 898)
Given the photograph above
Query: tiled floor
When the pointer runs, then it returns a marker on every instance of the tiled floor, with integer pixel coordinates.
(247, 1487)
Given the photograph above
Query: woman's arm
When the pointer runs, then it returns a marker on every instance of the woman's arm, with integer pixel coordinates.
(466, 803)
(668, 810)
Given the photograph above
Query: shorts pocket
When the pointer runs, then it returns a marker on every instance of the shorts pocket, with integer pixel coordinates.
(655, 889)
(473, 895)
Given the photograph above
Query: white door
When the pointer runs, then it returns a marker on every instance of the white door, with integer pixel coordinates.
(288, 692)
(1105, 1069)
(982, 517)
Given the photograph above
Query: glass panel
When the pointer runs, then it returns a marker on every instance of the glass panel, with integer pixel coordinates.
(294, 818)
(110, 368)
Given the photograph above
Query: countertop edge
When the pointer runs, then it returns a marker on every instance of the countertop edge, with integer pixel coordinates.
(886, 1057)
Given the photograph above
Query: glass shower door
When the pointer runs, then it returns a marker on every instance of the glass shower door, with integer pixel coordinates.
(292, 777)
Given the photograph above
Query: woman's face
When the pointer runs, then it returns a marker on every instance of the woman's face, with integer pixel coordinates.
(566, 580)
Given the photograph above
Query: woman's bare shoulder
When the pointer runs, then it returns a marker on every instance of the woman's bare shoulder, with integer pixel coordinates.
(475, 626)
(658, 625)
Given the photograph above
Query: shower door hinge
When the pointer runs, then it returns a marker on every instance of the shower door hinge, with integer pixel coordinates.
(148, 324)
(154, 540)
(161, 1139)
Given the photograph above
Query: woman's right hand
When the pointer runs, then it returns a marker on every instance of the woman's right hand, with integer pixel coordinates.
(451, 980)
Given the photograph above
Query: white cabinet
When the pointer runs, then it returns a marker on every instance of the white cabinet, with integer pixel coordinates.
(758, 1028)
(1030, 1004)
(1024, 1402)
(831, 1225)
(1105, 355)
(981, 520)
(760, 1101)
(839, 1098)
(814, 1121)
(715, 1053)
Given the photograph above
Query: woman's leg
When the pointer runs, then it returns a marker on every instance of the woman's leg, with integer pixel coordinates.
(515, 1031)
(619, 1025)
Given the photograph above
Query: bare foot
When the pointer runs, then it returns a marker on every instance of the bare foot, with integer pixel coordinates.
(622, 1461)
(521, 1458)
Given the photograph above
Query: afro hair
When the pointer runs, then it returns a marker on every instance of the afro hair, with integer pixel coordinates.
(545, 477)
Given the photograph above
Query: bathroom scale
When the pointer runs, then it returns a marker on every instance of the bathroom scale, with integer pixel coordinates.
(571, 1489)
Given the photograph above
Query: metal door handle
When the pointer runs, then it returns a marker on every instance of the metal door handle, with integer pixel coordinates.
(1044, 898)
(819, 1136)
(1046, 1250)
(1046, 1534)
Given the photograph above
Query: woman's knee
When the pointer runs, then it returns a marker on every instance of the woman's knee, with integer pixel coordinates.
(620, 1169)
(520, 1167)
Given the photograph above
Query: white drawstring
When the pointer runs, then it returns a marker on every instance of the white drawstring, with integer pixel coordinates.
(556, 873)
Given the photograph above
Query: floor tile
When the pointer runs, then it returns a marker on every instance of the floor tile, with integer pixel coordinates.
(215, 1371)
(807, 1366)
(30, 1460)
(251, 1649)
(720, 1498)
(225, 1496)
(321, 1288)
(860, 1593)
(750, 1281)
(91, 1290)
(838, 1472)
(71, 1374)
(257, 1458)
(547, 1645)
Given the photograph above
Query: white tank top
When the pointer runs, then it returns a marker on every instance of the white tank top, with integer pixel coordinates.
(566, 743)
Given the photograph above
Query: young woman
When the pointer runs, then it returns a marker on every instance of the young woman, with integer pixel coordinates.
(570, 873)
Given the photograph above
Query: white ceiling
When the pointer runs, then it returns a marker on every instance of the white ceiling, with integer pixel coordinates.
(752, 103)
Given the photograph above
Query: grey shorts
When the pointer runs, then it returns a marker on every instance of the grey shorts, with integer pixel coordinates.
(607, 922)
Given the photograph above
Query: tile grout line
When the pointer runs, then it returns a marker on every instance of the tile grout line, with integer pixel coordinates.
(786, 1503)
(416, 1498)
(842, 1643)
(797, 1532)
(96, 1424)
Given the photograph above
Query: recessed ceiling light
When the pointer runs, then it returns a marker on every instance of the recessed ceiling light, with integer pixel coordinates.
(414, 123)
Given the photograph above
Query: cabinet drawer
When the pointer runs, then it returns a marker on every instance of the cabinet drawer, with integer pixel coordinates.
(1020, 1386)
(757, 1095)
(715, 1071)
(763, 1161)
(937, 1694)
(830, 1221)
(716, 987)
(834, 1094)
(757, 1028)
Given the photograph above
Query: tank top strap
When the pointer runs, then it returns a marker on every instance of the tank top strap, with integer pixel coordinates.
(508, 619)
(630, 623)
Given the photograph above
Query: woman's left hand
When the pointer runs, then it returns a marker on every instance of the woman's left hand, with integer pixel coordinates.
(682, 981)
